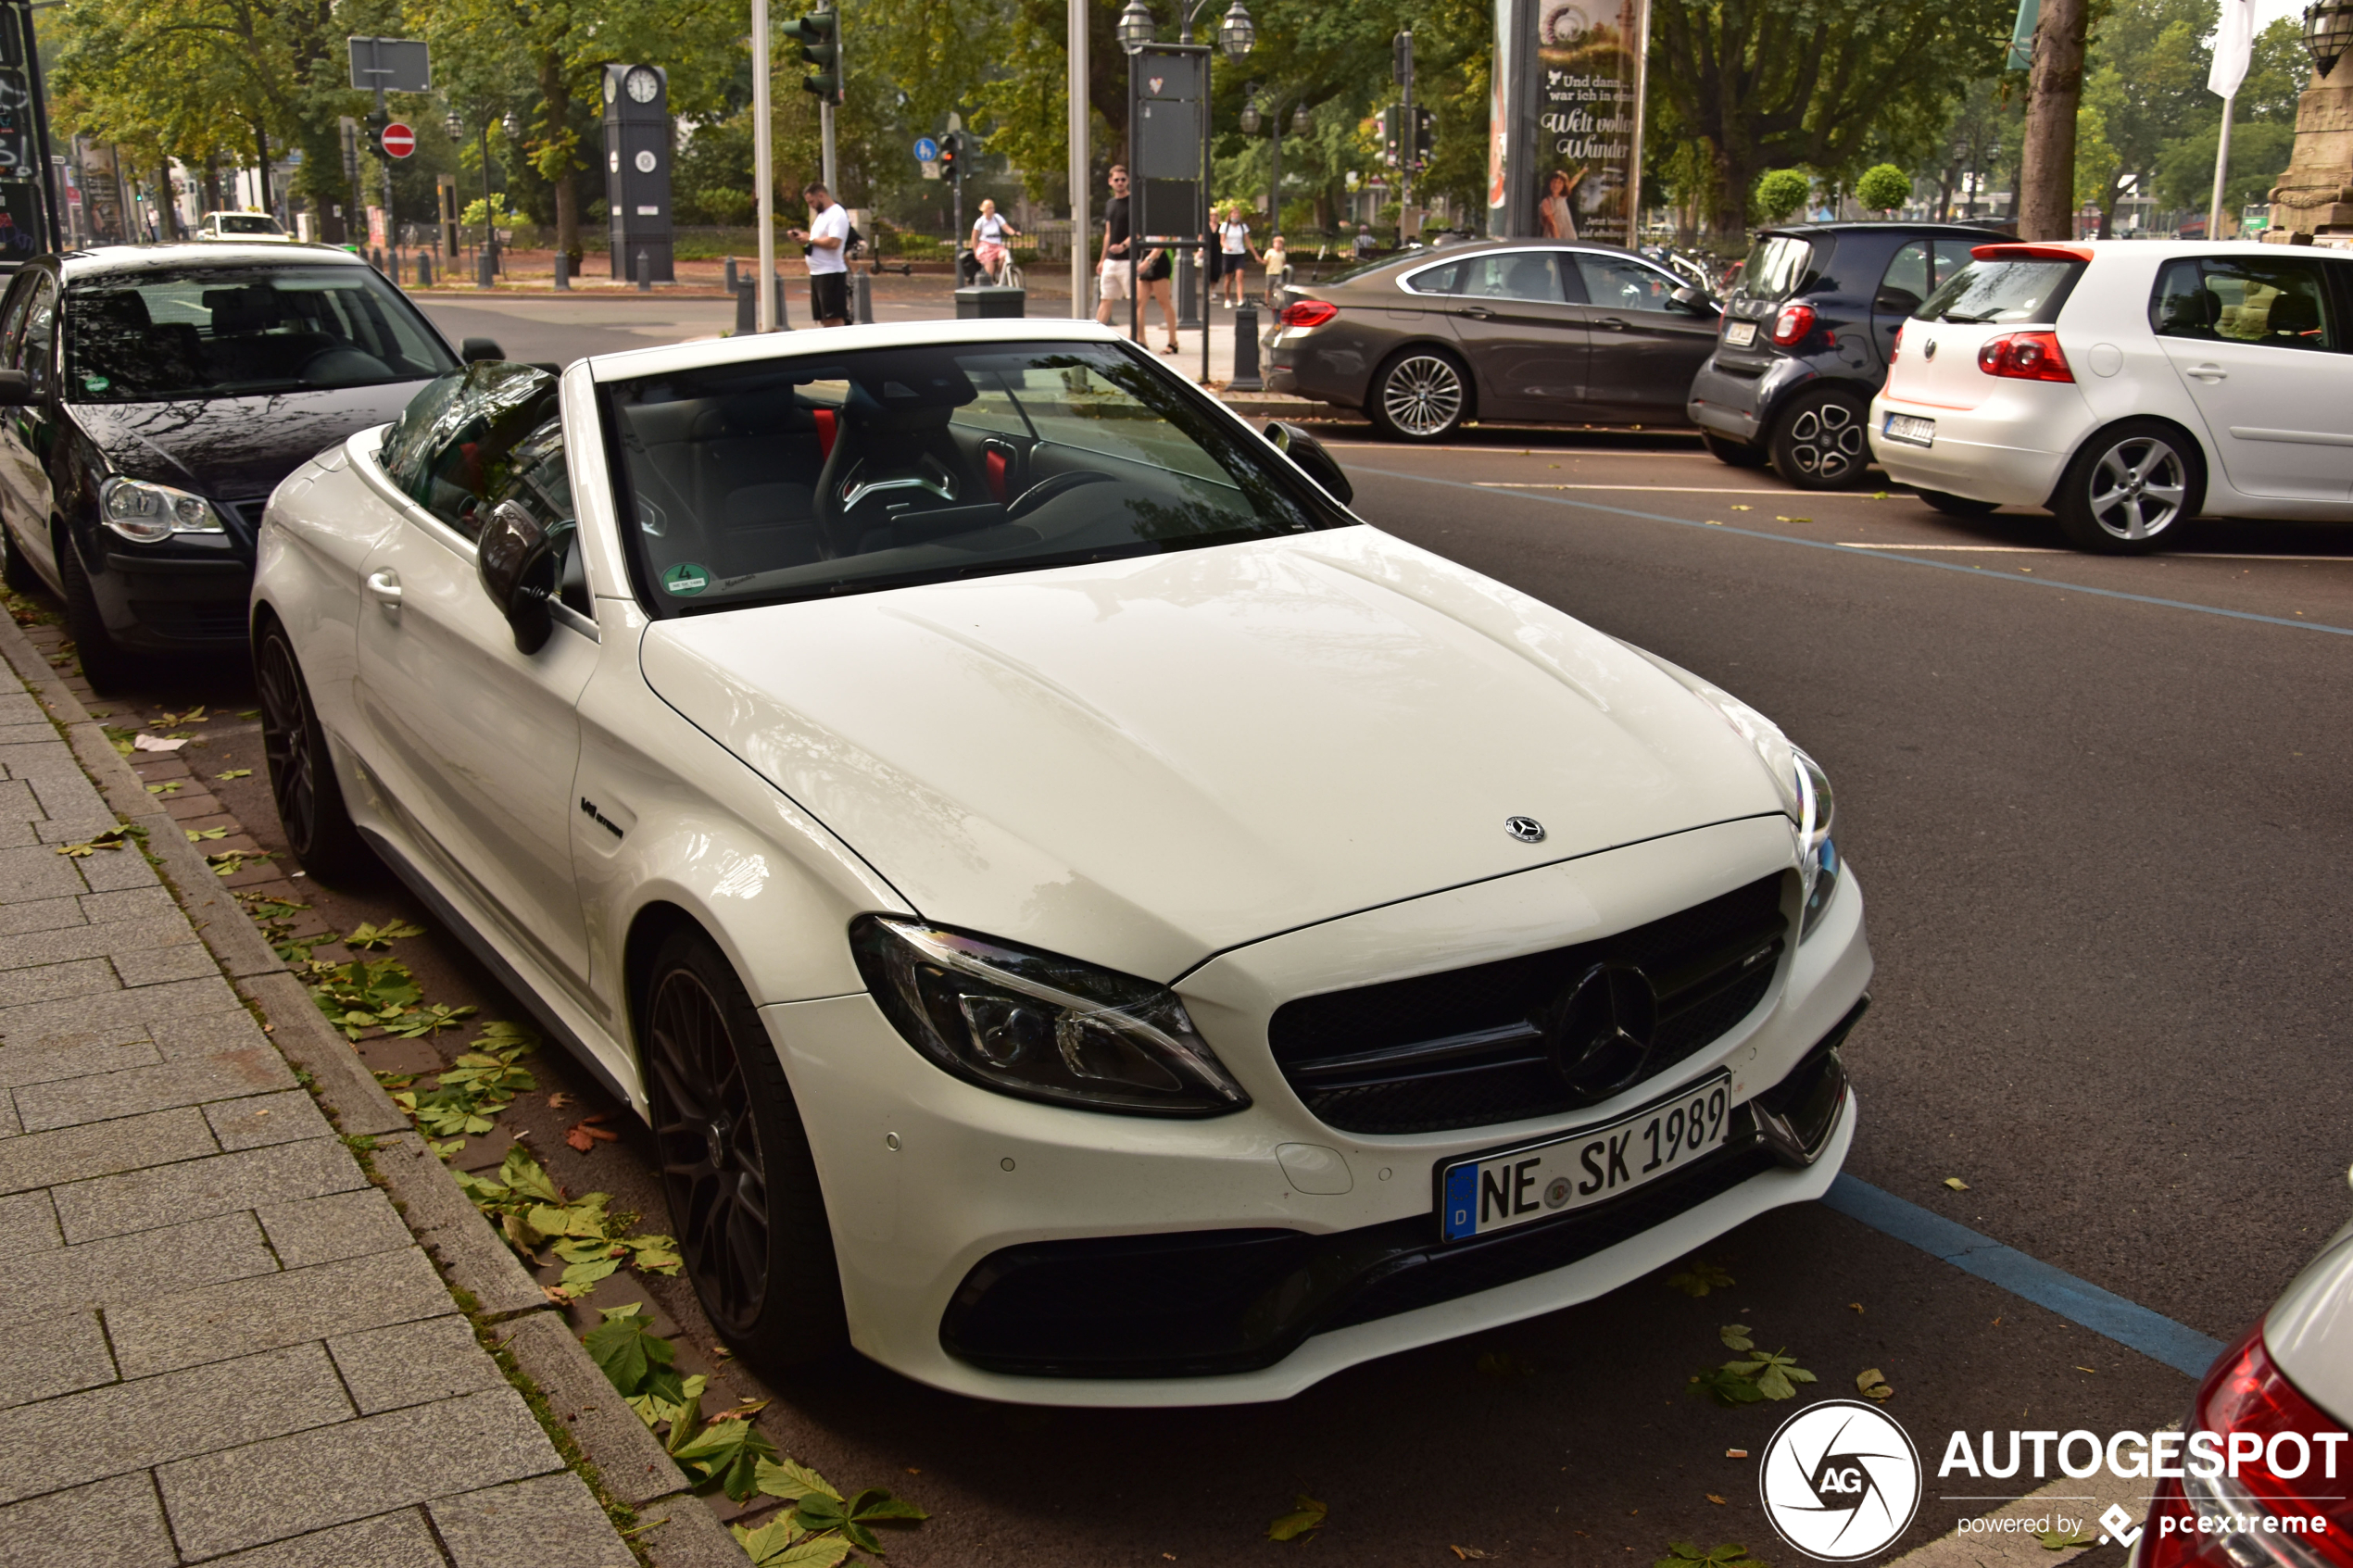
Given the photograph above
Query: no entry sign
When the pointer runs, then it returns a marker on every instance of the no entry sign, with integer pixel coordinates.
(399, 141)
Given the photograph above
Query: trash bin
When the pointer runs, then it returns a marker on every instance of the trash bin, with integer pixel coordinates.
(991, 304)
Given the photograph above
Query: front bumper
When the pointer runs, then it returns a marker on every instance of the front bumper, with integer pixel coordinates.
(942, 1195)
(159, 602)
(2011, 449)
(1739, 399)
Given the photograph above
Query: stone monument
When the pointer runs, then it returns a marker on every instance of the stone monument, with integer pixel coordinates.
(2313, 201)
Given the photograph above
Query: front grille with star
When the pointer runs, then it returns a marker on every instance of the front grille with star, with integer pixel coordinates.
(1468, 1047)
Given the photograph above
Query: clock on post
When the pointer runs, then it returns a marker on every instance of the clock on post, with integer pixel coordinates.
(639, 136)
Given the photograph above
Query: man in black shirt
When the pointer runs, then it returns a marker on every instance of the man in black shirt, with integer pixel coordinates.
(1152, 268)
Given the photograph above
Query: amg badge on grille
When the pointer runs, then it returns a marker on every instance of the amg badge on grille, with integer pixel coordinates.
(1528, 830)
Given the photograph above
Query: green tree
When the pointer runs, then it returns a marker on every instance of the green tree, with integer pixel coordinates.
(1884, 188)
(1822, 82)
(1783, 192)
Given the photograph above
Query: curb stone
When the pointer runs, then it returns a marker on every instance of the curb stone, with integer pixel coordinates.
(472, 1256)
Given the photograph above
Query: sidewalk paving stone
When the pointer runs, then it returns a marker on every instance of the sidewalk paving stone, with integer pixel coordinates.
(46, 1356)
(243, 1316)
(103, 1148)
(113, 1523)
(222, 1075)
(139, 1267)
(279, 1118)
(538, 1523)
(141, 1200)
(389, 1540)
(21, 1065)
(411, 1363)
(137, 1425)
(327, 1230)
(286, 1487)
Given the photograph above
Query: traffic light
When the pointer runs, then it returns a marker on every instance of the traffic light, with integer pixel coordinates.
(1425, 137)
(819, 36)
(1390, 118)
(376, 124)
(951, 147)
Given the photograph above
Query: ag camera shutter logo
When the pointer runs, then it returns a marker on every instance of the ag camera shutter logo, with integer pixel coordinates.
(1840, 1481)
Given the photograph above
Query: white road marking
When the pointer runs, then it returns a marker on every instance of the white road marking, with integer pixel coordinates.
(1658, 489)
(2045, 550)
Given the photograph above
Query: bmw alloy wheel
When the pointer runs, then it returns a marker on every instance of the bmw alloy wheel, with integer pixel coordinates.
(1422, 396)
(2138, 488)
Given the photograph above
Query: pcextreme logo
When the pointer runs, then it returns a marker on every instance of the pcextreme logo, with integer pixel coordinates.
(1840, 1481)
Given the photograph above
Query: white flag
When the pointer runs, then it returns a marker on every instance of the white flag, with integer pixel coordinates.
(2233, 42)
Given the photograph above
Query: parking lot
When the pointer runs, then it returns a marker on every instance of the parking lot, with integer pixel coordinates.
(2097, 809)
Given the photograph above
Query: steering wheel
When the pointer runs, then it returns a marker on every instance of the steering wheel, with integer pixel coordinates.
(1044, 491)
(341, 366)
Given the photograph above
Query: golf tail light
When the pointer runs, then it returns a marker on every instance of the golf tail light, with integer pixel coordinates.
(1797, 319)
(1040, 1027)
(2281, 1509)
(146, 513)
(2024, 356)
(1896, 347)
(1307, 313)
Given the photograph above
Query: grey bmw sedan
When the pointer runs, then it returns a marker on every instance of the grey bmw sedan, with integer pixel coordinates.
(1511, 331)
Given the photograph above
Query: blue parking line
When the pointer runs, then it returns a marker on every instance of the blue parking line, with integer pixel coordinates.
(1895, 557)
(2079, 1301)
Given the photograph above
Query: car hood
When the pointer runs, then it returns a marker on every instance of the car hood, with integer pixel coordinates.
(1148, 761)
(234, 449)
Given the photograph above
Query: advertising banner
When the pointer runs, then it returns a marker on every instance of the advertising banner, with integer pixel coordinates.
(1564, 154)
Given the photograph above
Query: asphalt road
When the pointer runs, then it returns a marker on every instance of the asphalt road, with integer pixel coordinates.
(2101, 839)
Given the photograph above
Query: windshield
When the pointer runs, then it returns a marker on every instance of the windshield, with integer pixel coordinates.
(233, 332)
(1777, 265)
(2003, 290)
(248, 223)
(803, 477)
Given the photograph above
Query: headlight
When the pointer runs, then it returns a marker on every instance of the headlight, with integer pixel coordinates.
(1040, 1027)
(1818, 857)
(148, 514)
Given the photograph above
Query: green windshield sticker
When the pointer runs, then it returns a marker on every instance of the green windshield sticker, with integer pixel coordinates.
(95, 384)
(686, 578)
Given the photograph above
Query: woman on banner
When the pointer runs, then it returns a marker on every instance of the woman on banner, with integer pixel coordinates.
(1556, 215)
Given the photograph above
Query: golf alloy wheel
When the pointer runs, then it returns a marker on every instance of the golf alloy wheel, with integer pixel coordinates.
(712, 1162)
(1422, 396)
(2137, 489)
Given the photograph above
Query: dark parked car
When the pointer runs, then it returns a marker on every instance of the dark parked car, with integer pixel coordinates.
(152, 397)
(1804, 342)
(1519, 331)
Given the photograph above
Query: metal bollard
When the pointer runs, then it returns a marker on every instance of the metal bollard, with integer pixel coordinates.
(394, 274)
(376, 258)
(563, 271)
(645, 273)
(1247, 376)
(731, 275)
(783, 320)
(484, 277)
(424, 269)
(747, 306)
(862, 300)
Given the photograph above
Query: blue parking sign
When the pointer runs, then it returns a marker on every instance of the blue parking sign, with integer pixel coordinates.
(926, 150)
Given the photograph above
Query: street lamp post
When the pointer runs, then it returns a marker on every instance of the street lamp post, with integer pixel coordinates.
(1236, 36)
(1299, 124)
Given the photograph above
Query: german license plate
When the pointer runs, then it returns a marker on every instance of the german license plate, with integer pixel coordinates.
(1739, 334)
(1910, 430)
(1495, 1192)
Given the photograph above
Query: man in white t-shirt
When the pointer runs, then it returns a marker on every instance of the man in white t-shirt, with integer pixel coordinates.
(827, 237)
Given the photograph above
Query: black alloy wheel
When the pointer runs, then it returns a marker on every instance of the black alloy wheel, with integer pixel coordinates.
(736, 1163)
(103, 664)
(302, 776)
(1819, 444)
(1738, 454)
(1421, 394)
(2128, 487)
(15, 569)
(1958, 506)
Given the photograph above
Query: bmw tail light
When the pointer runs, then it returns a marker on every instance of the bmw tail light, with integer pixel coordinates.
(1307, 313)
(2024, 356)
(1794, 321)
(2274, 1503)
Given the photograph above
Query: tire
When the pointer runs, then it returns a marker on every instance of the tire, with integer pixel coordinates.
(2128, 487)
(1958, 506)
(1724, 449)
(103, 664)
(302, 774)
(1818, 443)
(15, 571)
(736, 1165)
(1420, 394)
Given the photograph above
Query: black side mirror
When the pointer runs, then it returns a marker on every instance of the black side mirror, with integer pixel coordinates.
(1695, 302)
(15, 389)
(517, 564)
(1309, 454)
(477, 349)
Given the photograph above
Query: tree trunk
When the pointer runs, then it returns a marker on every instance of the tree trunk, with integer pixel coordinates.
(167, 206)
(1729, 217)
(2046, 168)
(556, 95)
(261, 175)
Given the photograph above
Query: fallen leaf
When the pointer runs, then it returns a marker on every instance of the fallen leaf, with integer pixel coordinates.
(198, 835)
(1717, 1501)
(1872, 1383)
(1467, 1554)
(1699, 1279)
(1856, 1307)
(169, 786)
(2095, 1372)
(114, 837)
(2059, 1540)
(235, 774)
(558, 1100)
(173, 720)
(1303, 1521)
(1741, 508)
(249, 712)
(1879, 495)
(1793, 519)
(1956, 1184)
(1735, 1453)
(585, 1137)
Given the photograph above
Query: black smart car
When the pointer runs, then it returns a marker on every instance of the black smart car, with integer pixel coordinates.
(152, 397)
(1802, 346)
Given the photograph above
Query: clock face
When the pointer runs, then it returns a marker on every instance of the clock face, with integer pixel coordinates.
(646, 163)
(643, 85)
(612, 87)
